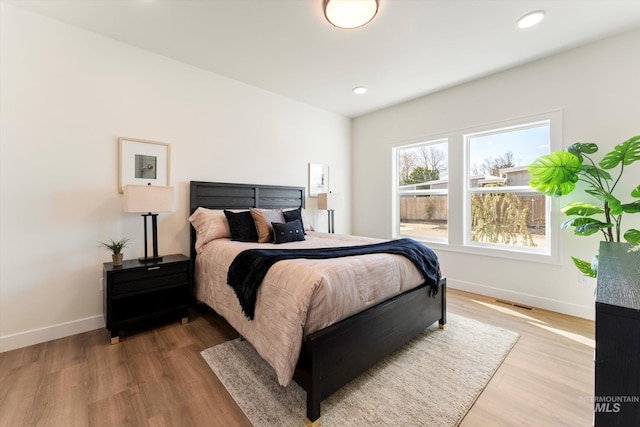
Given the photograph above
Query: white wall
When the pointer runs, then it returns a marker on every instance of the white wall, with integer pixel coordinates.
(67, 95)
(597, 89)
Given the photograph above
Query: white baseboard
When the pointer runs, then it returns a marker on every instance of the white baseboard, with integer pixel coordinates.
(37, 336)
(585, 312)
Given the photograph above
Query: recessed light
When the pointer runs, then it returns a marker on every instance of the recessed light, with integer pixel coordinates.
(531, 19)
(359, 90)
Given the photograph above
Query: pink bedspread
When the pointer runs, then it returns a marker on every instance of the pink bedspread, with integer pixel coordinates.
(300, 296)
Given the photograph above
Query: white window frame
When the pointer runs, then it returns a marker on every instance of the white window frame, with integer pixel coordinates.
(459, 198)
(398, 193)
(470, 191)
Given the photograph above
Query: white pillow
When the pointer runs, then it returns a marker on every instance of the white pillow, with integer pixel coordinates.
(210, 224)
(305, 220)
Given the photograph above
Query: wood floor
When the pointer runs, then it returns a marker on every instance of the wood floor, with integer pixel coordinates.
(156, 376)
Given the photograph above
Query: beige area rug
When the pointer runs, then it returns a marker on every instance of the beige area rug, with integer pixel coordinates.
(432, 381)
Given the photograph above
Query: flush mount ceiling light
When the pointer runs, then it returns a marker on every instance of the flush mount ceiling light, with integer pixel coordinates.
(531, 19)
(359, 90)
(349, 13)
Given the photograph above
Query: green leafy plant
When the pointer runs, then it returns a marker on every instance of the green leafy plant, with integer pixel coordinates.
(116, 246)
(556, 174)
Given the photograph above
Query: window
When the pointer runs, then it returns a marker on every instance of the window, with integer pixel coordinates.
(468, 190)
(423, 190)
(501, 207)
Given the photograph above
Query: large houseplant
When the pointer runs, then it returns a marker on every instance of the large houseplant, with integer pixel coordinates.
(556, 174)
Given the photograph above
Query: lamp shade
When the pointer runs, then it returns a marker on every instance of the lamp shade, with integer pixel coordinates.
(147, 198)
(329, 201)
(350, 13)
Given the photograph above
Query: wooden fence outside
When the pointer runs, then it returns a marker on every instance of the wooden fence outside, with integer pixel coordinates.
(435, 208)
(421, 208)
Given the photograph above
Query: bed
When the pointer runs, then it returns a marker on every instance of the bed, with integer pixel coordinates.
(326, 355)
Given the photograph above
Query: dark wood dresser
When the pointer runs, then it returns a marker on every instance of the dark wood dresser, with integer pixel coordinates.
(617, 364)
(139, 292)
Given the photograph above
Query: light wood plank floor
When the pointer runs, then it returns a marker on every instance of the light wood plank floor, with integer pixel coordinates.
(156, 376)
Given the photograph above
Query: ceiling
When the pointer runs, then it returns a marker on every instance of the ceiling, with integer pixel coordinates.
(411, 48)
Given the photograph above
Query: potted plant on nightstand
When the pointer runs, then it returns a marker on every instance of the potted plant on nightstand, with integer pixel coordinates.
(556, 174)
(116, 249)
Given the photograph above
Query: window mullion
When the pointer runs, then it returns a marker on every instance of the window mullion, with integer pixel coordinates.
(456, 190)
(505, 189)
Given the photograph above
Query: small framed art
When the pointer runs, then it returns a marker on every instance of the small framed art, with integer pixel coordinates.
(318, 179)
(143, 162)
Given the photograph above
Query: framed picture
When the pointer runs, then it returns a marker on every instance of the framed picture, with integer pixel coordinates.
(318, 179)
(143, 162)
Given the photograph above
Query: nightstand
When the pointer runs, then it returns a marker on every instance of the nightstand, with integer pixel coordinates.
(137, 292)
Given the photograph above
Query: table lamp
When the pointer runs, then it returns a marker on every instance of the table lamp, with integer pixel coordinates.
(329, 202)
(149, 200)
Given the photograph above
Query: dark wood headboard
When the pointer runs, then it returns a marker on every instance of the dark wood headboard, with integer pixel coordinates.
(219, 195)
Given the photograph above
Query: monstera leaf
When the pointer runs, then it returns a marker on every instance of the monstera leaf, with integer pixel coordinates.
(631, 207)
(556, 173)
(632, 235)
(584, 267)
(584, 226)
(582, 209)
(626, 152)
(615, 205)
(636, 192)
(578, 148)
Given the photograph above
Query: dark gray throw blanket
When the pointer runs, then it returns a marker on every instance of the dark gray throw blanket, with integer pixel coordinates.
(249, 267)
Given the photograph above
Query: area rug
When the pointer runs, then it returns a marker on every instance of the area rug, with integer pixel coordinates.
(432, 381)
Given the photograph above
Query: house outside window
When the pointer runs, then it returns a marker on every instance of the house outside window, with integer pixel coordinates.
(478, 199)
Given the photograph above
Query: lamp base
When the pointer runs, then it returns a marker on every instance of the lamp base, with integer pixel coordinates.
(150, 259)
(331, 221)
(154, 231)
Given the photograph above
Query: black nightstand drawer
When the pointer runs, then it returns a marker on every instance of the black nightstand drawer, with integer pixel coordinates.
(137, 308)
(149, 278)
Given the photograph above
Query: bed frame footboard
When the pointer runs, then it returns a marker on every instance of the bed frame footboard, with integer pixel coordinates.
(335, 355)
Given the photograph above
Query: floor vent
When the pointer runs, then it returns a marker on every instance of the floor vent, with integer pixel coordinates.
(512, 304)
